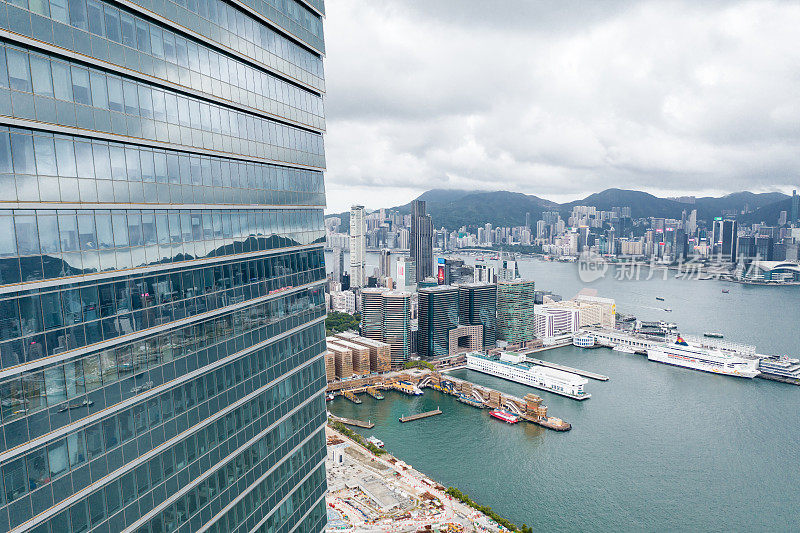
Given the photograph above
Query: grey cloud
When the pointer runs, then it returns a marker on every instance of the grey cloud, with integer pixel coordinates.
(562, 99)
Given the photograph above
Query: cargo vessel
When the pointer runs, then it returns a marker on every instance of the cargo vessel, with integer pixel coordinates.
(513, 367)
(680, 353)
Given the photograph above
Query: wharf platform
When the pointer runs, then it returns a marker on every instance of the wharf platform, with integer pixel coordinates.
(418, 416)
(352, 397)
(372, 391)
(563, 368)
(352, 422)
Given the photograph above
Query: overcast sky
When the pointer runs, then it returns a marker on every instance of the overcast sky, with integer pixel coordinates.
(560, 99)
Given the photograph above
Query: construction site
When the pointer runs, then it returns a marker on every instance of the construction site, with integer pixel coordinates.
(367, 493)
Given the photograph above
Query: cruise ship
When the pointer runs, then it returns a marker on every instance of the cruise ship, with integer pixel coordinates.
(512, 366)
(680, 353)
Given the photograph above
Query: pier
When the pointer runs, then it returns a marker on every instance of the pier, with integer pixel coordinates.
(352, 422)
(411, 382)
(372, 391)
(418, 416)
(584, 373)
(530, 407)
(352, 397)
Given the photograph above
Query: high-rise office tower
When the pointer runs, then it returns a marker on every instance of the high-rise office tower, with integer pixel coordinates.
(397, 325)
(477, 306)
(385, 263)
(691, 223)
(161, 270)
(421, 240)
(338, 264)
(795, 208)
(484, 273)
(406, 273)
(372, 313)
(728, 239)
(358, 247)
(386, 317)
(438, 314)
(515, 318)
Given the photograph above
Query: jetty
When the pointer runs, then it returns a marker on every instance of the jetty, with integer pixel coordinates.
(412, 382)
(352, 422)
(419, 416)
(372, 391)
(352, 397)
(563, 368)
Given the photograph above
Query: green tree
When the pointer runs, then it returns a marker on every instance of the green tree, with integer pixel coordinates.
(419, 364)
(338, 322)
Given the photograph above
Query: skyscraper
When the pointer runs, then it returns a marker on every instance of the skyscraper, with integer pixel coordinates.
(438, 314)
(358, 247)
(477, 306)
(386, 317)
(385, 263)
(397, 325)
(421, 239)
(727, 238)
(795, 208)
(161, 271)
(406, 273)
(515, 318)
(338, 264)
(372, 313)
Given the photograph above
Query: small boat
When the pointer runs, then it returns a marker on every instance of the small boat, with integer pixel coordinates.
(712, 335)
(659, 298)
(667, 309)
(479, 258)
(376, 441)
(726, 291)
(329, 397)
(668, 325)
(505, 416)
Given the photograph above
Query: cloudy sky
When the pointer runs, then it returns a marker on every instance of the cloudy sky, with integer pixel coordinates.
(560, 99)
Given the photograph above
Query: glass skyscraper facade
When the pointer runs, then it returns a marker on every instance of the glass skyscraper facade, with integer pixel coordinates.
(161, 266)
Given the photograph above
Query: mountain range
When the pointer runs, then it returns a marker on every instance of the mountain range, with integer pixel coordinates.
(453, 208)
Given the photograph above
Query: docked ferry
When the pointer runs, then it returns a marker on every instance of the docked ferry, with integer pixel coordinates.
(782, 366)
(505, 416)
(512, 366)
(682, 354)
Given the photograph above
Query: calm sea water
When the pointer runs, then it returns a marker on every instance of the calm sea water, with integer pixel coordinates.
(656, 447)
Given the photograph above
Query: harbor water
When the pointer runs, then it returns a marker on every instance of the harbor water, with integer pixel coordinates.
(655, 448)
